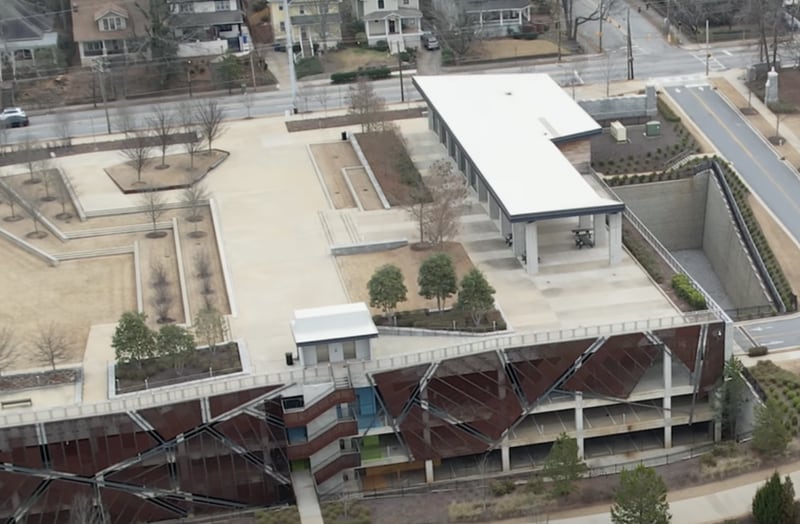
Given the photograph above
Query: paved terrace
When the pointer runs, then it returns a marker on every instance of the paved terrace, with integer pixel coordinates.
(269, 199)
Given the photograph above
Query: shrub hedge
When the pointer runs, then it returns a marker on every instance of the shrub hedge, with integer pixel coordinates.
(757, 351)
(372, 73)
(683, 286)
(666, 111)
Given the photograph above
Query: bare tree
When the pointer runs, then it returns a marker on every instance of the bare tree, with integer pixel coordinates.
(32, 156)
(50, 179)
(3, 140)
(62, 196)
(210, 118)
(83, 510)
(137, 151)
(35, 208)
(202, 267)
(454, 28)
(418, 208)
(209, 326)
(366, 105)
(51, 345)
(195, 197)
(321, 96)
(164, 125)
(124, 120)
(8, 348)
(64, 127)
(162, 292)
(11, 200)
(448, 192)
(572, 22)
(154, 206)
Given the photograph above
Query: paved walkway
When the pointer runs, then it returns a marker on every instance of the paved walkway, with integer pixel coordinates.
(306, 495)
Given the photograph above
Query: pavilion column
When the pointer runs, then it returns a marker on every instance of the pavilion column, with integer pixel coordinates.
(579, 423)
(585, 221)
(483, 194)
(614, 238)
(518, 232)
(667, 404)
(600, 231)
(494, 208)
(505, 456)
(386, 27)
(532, 248)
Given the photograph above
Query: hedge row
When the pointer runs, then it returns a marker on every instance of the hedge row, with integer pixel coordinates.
(372, 73)
(683, 286)
(666, 111)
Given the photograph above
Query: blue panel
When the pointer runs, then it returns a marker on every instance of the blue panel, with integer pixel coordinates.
(296, 435)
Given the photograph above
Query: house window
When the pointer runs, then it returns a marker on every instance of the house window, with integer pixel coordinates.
(283, 26)
(222, 5)
(380, 4)
(115, 47)
(112, 23)
(186, 7)
(93, 48)
(406, 2)
(302, 11)
(224, 27)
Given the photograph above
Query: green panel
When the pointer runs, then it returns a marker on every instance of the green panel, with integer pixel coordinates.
(300, 465)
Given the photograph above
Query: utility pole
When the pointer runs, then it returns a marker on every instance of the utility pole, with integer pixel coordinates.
(708, 49)
(253, 66)
(101, 73)
(402, 88)
(290, 52)
(669, 28)
(600, 33)
(630, 48)
(189, 76)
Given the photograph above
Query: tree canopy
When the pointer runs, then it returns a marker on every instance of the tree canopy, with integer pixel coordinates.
(770, 434)
(437, 278)
(774, 502)
(133, 340)
(640, 498)
(563, 465)
(476, 295)
(386, 288)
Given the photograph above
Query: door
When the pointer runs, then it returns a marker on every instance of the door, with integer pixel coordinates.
(337, 352)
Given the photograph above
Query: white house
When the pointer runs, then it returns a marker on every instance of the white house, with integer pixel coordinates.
(398, 22)
(209, 27)
(106, 29)
(333, 333)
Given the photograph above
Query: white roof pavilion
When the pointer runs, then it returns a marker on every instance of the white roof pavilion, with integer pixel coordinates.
(508, 125)
(330, 323)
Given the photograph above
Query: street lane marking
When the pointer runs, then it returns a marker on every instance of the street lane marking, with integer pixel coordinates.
(727, 52)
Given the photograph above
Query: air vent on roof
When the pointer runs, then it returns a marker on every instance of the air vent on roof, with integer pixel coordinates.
(509, 93)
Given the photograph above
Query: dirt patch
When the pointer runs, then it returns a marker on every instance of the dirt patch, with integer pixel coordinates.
(353, 58)
(506, 48)
(356, 271)
(156, 372)
(349, 120)
(783, 245)
(178, 174)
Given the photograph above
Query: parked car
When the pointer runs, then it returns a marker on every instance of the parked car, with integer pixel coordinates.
(14, 117)
(429, 41)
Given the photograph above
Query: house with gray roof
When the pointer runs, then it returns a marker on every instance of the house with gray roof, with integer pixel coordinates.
(26, 35)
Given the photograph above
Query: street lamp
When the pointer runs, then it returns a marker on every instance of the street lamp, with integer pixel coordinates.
(189, 76)
(290, 52)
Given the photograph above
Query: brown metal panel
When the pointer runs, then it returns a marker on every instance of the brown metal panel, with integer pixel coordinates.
(345, 461)
(682, 342)
(538, 367)
(395, 387)
(125, 508)
(247, 431)
(345, 428)
(714, 361)
(170, 421)
(15, 488)
(224, 403)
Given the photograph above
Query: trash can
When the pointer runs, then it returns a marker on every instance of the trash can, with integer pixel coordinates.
(344, 136)
(289, 358)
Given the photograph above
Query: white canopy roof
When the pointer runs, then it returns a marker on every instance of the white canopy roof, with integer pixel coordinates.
(508, 124)
(321, 324)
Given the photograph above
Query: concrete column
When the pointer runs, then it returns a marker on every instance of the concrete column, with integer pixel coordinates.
(447, 139)
(431, 123)
(429, 471)
(579, 422)
(667, 398)
(505, 225)
(483, 193)
(532, 247)
(585, 221)
(505, 454)
(468, 174)
(615, 238)
(518, 232)
(494, 208)
(600, 231)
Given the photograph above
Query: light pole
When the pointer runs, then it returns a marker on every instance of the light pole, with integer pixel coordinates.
(100, 69)
(189, 76)
(290, 52)
(708, 50)
(400, 68)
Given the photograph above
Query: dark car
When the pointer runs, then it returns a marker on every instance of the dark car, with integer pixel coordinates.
(14, 117)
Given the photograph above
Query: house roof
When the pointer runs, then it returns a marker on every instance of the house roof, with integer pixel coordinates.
(401, 13)
(110, 9)
(20, 20)
(321, 324)
(84, 24)
(509, 125)
(206, 19)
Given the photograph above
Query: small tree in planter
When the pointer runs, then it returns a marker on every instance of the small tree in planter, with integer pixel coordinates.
(176, 343)
(154, 206)
(386, 288)
(164, 125)
(195, 198)
(133, 340)
(137, 151)
(51, 345)
(437, 279)
(209, 326)
(476, 295)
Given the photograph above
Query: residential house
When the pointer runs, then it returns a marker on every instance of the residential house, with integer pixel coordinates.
(398, 22)
(316, 24)
(107, 29)
(27, 36)
(491, 18)
(209, 27)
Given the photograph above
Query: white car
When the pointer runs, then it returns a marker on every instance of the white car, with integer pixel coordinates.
(14, 117)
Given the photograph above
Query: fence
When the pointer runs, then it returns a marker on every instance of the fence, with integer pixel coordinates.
(149, 384)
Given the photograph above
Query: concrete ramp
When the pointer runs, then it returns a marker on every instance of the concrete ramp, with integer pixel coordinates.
(306, 495)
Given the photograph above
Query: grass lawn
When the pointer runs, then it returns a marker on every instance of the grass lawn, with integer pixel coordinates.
(288, 515)
(308, 67)
(783, 386)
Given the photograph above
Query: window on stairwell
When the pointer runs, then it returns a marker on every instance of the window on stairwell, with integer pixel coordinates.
(349, 347)
(295, 402)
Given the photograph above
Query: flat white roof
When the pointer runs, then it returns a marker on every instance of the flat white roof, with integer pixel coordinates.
(320, 324)
(507, 124)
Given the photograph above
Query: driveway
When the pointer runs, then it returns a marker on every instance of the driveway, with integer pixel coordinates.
(429, 62)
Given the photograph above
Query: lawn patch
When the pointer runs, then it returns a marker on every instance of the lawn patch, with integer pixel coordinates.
(388, 157)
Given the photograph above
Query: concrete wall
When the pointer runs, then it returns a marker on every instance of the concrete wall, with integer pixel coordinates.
(579, 153)
(725, 251)
(673, 210)
(622, 107)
